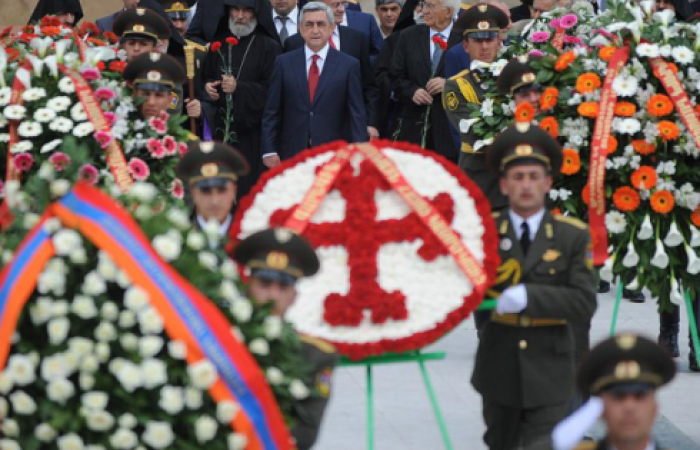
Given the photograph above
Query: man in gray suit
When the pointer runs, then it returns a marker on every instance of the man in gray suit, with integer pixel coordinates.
(105, 23)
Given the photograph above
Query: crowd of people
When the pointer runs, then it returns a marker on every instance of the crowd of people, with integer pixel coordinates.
(273, 78)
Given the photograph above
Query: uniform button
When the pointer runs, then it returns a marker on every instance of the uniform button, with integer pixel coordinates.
(552, 271)
(525, 321)
(523, 344)
(311, 113)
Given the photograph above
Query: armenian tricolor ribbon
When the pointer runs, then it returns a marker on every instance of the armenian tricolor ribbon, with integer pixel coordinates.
(187, 314)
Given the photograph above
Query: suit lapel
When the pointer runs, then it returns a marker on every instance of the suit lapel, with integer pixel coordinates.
(327, 73)
(543, 241)
(301, 76)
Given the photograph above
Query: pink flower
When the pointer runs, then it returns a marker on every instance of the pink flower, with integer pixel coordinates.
(536, 53)
(104, 138)
(23, 161)
(59, 160)
(111, 118)
(170, 145)
(555, 23)
(89, 173)
(605, 33)
(139, 169)
(155, 148)
(90, 74)
(569, 21)
(104, 94)
(177, 189)
(183, 148)
(540, 36)
(572, 40)
(158, 125)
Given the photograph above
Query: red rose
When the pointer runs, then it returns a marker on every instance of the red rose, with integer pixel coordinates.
(440, 43)
(232, 41)
(216, 46)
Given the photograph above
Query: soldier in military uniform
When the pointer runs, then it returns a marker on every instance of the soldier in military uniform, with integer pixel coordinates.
(546, 297)
(482, 27)
(276, 259)
(154, 76)
(139, 31)
(211, 170)
(622, 373)
(519, 81)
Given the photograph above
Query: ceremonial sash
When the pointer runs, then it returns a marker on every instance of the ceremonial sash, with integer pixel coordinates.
(558, 39)
(188, 316)
(596, 177)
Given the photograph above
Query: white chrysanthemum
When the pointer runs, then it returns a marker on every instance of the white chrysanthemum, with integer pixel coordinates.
(205, 429)
(99, 420)
(128, 421)
(50, 146)
(298, 390)
(237, 441)
(154, 373)
(150, 346)
(628, 126)
(59, 104)
(172, 399)
(70, 441)
(22, 403)
(29, 129)
(22, 147)
(195, 240)
(150, 321)
(65, 240)
(5, 96)
(4, 137)
(229, 291)
(61, 125)
(625, 86)
(21, 369)
(84, 307)
(106, 267)
(130, 377)
(158, 435)
(123, 439)
(81, 346)
(60, 390)
(682, 54)
(226, 411)
(58, 330)
(648, 50)
(167, 247)
(66, 85)
(105, 332)
(242, 310)
(44, 433)
(194, 398)
(33, 94)
(9, 444)
(94, 284)
(44, 115)
(89, 364)
(15, 112)
(274, 376)
(84, 129)
(54, 367)
(202, 374)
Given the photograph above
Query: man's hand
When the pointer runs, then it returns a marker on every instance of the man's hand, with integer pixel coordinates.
(271, 161)
(373, 133)
(228, 84)
(194, 108)
(422, 97)
(435, 85)
(211, 89)
(512, 300)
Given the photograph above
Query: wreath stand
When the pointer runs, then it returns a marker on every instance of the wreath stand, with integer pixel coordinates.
(413, 356)
(689, 308)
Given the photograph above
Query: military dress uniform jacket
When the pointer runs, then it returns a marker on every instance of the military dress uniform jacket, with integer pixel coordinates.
(603, 445)
(322, 358)
(526, 360)
(461, 90)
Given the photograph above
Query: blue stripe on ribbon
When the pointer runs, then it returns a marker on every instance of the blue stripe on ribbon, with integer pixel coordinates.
(18, 264)
(183, 306)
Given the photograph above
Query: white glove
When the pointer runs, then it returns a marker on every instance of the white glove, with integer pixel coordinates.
(512, 300)
(570, 431)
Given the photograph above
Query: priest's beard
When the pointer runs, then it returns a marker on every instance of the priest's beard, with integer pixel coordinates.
(242, 30)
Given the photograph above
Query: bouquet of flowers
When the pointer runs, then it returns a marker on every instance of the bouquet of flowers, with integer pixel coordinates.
(229, 136)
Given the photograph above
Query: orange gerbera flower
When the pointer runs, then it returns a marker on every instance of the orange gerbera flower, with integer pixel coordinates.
(571, 163)
(524, 112)
(625, 109)
(669, 130)
(588, 109)
(662, 202)
(695, 217)
(626, 199)
(587, 82)
(565, 61)
(549, 98)
(551, 126)
(643, 147)
(644, 177)
(612, 145)
(586, 195)
(606, 53)
(659, 105)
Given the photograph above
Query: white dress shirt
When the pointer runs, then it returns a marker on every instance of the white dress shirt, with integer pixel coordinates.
(323, 54)
(446, 33)
(336, 38)
(292, 22)
(533, 222)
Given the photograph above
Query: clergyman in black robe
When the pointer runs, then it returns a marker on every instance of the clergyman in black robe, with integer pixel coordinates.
(57, 8)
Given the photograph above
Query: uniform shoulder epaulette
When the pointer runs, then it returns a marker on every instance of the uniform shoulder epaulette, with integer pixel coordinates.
(197, 45)
(587, 445)
(581, 225)
(495, 214)
(459, 75)
(324, 346)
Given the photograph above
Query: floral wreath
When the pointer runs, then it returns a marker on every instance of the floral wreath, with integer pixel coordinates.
(387, 283)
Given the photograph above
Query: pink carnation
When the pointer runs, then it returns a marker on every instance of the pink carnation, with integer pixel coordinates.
(23, 161)
(90, 74)
(104, 138)
(183, 148)
(170, 145)
(139, 169)
(89, 173)
(104, 94)
(111, 117)
(569, 21)
(555, 23)
(155, 148)
(177, 189)
(59, 160)
(158, 125)
(540, 36)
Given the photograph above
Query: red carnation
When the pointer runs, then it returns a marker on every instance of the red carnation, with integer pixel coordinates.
(440, 43)
(117, 66)
(232, 41)
(216, 46)
(111, 37)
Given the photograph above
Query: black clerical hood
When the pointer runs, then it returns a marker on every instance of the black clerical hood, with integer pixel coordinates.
(53, 7)
(263, 14)
(405, 19)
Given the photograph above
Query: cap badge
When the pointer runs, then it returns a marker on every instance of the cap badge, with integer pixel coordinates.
(277, 260)
(282, 235)
(627, 370)
(155, 57)
(153, 75)
(529, 77)
(522, 126)
(140, 11)
(523, 150)
(483, 8)
(483, 25)
(178, 6)
(206, 147)
(138, 28)
(209, 170)
(626, 341)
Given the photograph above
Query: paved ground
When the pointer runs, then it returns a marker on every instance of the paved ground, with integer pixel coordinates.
(404, 419)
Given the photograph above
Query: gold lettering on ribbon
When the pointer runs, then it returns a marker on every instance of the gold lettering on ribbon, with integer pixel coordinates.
(558, 39)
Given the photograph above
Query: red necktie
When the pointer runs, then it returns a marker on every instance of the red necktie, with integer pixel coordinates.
(314, 75)
(330, 41)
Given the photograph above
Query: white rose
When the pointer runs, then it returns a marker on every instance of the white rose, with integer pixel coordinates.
(205, 429)
(94, 400)
(94, 284)
(129, 375)
(21, 370)
(58, 330)
(105, 332)
(109, 311)
(65, 240)
(259, 346)
(127, 319)
(150, 346)
(202, 374)
(273, 327)
(275, 376)
(9, 444)
(10, 428)
(167, 247)
(158, 435)
(99, 420)
(106, 268)
(150, 321)
(60, 308)
(84, 307)
(40, 311)
(237, 441)
(193, 398)
(86, 381)
(123, 439)
(45, 432)
(154, 373)
(298, 389)
(102, 352)
(242, 310)
(129, 341)
(127, 420)
(172, 399)
(78, 256)
(54, 367)
(177, 349)
(60, 390)
(135, 298)
(123, 280)
(229, 291)
(226, 411)
(70, 442)
(208, 260)
(195, 240)
(179, 218)
(22, 403)
(80, 346)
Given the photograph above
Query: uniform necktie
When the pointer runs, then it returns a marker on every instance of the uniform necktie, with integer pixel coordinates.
(314, 75)
(284, 32)
(437, 54)
(525, 238)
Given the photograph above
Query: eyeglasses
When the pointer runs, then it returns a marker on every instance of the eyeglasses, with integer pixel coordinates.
(431, 6)
(336, 5)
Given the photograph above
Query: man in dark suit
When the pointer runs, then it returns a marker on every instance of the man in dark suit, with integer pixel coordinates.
(315, 95)
(106, 23)
(363, 22)
(285, 15)
(352, 43)
(418, 78)
(524, 368)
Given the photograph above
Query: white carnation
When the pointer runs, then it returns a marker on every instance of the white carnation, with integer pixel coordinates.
(10, 427)
(102, 352)
(193, 398)
(237, 441)
(95, 400)
(228, 270)
(167, 247)
(99, 420)
(109, 311)
(154, 373)
(94, 284)
(226, 411)
(70, 441)
(179, 218)
(123, 439)
(135, 299)
(172, 399)
(90, 364)
(44, 433)
(59, 188)
(80, 345)
(150, 321)
(275, 376)
(259, 346)
(60, 390)
(40, 311)
(55, 367)
(21, 369)
(22, 403)
(127, 420)
(298, 389)
(177, 349)
(202, 374)
(195, 240)
(86, 381)
(130, 377)
(158, 435)
(143, 192)
(58, 330)
(208, 260)
(6, 385)
(242, 310)
(205, 429)
(150, 346)
(65, 240)
(105, 332)
(127, 319)
(9, 444)
(84, 307)
(129, 341)
(273, 327)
